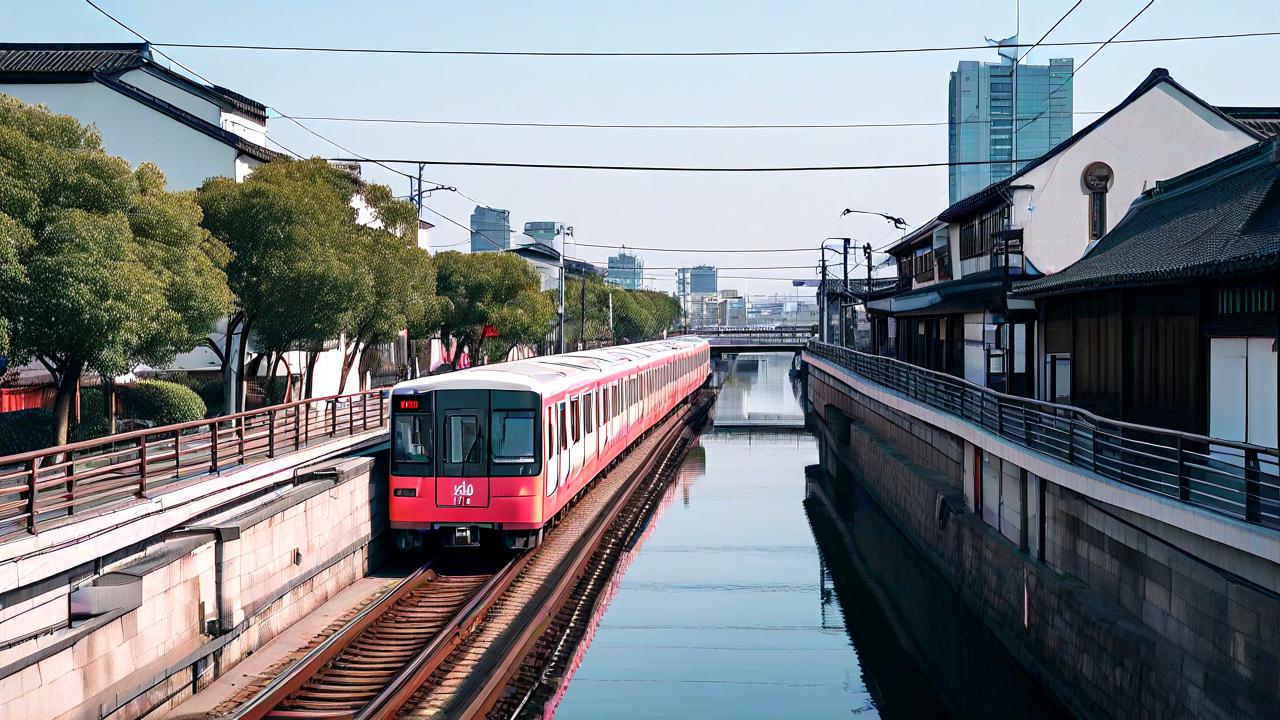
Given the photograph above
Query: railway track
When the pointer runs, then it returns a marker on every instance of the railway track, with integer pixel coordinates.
(446, 646)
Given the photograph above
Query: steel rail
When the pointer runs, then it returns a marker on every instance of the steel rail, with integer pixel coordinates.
(304, 668)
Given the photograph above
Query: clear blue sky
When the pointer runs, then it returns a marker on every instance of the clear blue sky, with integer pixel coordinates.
(661, 209)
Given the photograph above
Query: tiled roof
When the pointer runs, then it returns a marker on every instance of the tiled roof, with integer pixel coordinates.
(84, 61)
(1265, 120)
(1220, 219)
(991, 194)
(106, 62)
(62, 58)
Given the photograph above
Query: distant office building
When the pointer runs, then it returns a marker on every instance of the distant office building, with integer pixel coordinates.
(625, 271)
(490, 229)
(697, 280)
(733, 309)
(981, 117)
(548, 233)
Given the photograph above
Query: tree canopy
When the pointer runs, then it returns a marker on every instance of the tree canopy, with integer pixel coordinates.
(103, 269)
(497, 290)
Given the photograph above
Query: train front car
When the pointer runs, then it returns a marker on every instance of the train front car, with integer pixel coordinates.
(465, 461)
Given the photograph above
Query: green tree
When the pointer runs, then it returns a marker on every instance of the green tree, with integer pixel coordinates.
(103, 268)
(290, 227)
(400, 282)
(498, 290)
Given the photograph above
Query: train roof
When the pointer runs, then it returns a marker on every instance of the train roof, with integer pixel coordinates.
(550, 373)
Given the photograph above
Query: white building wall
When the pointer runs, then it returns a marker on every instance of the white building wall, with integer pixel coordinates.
(136, 132)
(1160, 135)
(201, 107)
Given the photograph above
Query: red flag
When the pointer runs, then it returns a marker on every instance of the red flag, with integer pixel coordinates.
(490, 331)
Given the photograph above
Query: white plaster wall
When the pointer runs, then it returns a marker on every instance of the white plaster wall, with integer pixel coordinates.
(250, 130)
(245, 166)
(135, 132)
(1161, 135)
(174, 95)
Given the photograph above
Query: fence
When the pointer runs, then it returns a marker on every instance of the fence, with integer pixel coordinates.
(41, 486)
(1235, 479)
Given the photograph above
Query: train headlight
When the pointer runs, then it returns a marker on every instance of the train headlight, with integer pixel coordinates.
(405, 492)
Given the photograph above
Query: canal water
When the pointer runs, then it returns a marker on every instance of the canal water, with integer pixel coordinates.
(762, 589)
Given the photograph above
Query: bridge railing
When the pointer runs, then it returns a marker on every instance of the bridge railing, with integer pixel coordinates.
(755, 336)
(41, 486)
(1235, 479)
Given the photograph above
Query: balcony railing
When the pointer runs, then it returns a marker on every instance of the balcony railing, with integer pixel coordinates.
(43, 486)
(1234, 479)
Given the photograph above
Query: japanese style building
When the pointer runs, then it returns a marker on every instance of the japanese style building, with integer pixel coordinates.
(1171, 319)
(952, 310)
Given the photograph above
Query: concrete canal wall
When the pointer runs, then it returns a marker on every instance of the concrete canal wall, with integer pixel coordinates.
(169, 617)
(1119, 602)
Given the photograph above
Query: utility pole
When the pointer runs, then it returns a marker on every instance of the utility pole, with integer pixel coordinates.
(560, 338)
(582, 326)
(866, 297)
(408, 339)
(613, 339)
(822, 300)
(844, 340)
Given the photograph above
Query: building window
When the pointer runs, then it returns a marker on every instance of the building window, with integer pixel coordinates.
(1097, 179)
(976, 236)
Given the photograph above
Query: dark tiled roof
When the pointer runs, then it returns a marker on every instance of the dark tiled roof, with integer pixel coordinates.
(971, 293)
(86, 61)
(83, 58)
(994, 192)
(1265, 120)
(1220, 219)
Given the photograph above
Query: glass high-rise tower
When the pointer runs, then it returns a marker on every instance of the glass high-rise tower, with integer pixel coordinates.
(625, 271)
(982, 121)
(490, 229)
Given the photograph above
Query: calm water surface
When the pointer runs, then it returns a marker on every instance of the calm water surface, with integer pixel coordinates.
(734, 602)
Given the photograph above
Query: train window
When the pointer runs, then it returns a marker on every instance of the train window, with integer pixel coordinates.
(412, 440)
(577, 420)
(588, 411)
(551, 436)
(461, 433)
(512, 436)
(564, 436)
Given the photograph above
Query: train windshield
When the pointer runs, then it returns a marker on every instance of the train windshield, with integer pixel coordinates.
(412, 442)
(461, 439)
(512, 436)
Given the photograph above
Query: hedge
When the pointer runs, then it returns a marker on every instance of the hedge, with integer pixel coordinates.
(25, 430)
(162, 402)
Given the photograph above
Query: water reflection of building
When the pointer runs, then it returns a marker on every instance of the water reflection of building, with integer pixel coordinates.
(922, 652)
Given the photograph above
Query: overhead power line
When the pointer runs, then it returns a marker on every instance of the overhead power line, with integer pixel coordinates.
(655, 126)
(684, 168)
(697, 250)
(694, 53)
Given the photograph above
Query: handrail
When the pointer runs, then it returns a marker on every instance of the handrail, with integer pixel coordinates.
(45, 485)
(1232, 478)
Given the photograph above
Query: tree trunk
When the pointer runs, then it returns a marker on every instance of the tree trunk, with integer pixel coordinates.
(109, 403)
(241, 382)
(68, 384)
(348, 359)
(229, 359)
(308, 391)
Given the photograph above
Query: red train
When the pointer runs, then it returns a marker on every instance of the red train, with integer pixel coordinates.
(498, 450)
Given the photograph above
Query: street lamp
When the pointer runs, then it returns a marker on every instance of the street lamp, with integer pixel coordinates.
(823, 319)
(898, 222)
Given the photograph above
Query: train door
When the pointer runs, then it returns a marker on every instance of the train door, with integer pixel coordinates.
(552, 471)
(589, 435)
(562, 430)
(463, 457)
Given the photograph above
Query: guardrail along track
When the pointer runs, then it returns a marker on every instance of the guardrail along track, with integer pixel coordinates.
(475, 676)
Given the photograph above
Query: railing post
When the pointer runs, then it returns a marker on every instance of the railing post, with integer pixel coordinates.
(142, 466)
(999, 417)
(1184, 482)
(1252, 487)
(1093, 447)
(177, 454)
(297, 425)
(333, 418)
(31, 496)
(271, 433)
(240, 437)
(1071, 441)
(213, 447)
(364, 411)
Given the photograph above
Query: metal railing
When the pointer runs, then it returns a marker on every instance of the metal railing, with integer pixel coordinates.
(43, 486)
(1234, 479)
(790, 335)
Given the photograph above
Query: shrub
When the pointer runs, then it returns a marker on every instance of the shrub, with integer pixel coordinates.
(93, 415)
(25, 430)
(162, 402)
